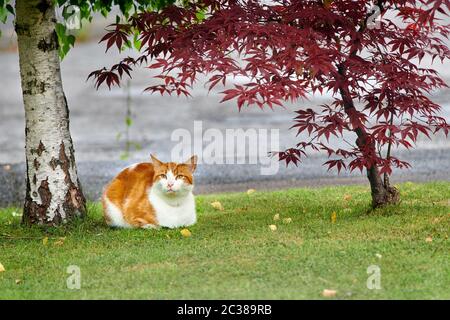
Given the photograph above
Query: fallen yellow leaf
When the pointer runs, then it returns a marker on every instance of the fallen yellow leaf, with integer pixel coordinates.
(333, 217)
(217, 205)
(429, 239)
(276, 217)
(18, 281)
(347, 197)
(273, 227)
(2, 268)
(250, 191)
(287, 220)
(328, 293)
(45, 241)
(186, 233)
(59, 242)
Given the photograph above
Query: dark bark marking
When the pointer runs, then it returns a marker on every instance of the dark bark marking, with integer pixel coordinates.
(57, 219)
(36, 164)
(35, 87)
(49, 44)
(43, 6)
(44, 193)
(72, 150)
(72, 156)
(22, 29)
(40, 149)
(75, 204)
(39, 211)
(64, 162)
(54, 163)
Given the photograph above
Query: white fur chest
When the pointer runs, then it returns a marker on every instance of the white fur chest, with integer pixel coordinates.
(173, 212)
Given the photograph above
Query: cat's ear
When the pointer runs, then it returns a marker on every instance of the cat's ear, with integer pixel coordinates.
(155, 161)
(192, 163)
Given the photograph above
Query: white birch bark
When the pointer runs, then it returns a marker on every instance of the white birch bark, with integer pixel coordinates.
(53, 193)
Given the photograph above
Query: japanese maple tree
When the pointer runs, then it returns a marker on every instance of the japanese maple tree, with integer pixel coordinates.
(288, 49)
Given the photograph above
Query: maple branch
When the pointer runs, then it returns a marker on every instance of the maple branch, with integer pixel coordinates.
(349, 106)
(388, 154)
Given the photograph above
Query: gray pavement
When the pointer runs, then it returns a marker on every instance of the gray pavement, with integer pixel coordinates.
(427, 166)
(97, 117)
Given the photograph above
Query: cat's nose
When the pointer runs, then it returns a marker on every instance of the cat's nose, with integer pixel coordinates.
(170, 185)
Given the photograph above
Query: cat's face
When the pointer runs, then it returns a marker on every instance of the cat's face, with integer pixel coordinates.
(174, 179)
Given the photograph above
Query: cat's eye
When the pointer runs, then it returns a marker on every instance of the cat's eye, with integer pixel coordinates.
(163, 176)
(179, 176)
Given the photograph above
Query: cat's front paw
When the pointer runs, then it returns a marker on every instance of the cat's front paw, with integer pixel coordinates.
(150, 226)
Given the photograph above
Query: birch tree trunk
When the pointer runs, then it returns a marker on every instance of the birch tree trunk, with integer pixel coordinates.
(53, 194)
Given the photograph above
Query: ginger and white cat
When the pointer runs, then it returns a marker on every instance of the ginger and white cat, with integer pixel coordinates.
(150, 195)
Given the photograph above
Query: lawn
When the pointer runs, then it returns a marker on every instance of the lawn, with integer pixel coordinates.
(330, 242)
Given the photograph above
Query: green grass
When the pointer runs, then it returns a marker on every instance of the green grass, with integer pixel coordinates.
(232, 254)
